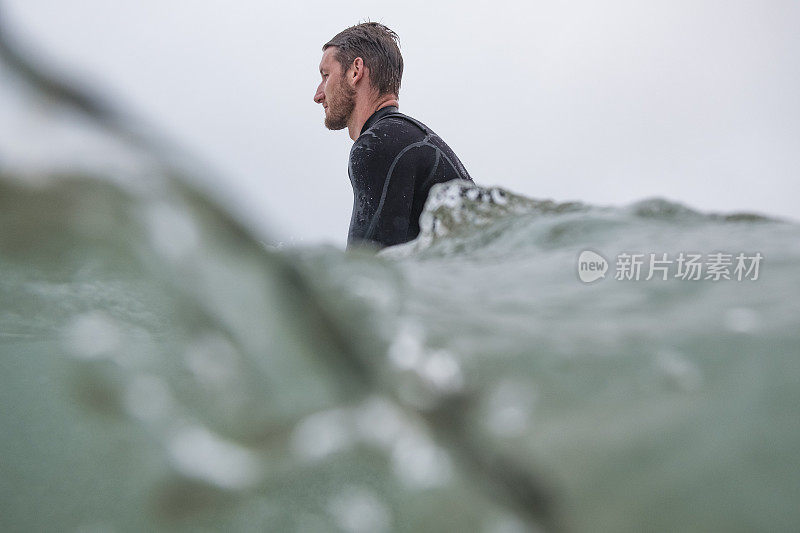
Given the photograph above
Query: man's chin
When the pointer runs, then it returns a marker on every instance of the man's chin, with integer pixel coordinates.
(335, 125)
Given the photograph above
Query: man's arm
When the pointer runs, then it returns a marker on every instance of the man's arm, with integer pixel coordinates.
(384, 168)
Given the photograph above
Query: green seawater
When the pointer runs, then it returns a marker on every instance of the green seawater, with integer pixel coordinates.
(163, 370)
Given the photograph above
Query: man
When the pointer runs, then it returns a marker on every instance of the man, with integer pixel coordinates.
(395, 159)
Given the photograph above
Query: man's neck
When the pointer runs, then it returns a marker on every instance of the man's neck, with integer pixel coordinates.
(362, 112)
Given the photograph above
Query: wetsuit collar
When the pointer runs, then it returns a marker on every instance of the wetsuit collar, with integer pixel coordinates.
(376, 116)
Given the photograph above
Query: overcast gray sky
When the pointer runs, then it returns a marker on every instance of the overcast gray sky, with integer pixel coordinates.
(602, 102)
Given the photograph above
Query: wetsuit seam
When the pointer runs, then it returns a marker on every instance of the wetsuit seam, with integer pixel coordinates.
(385, 190)
(458, 172)
(427, 182)
(435, 166)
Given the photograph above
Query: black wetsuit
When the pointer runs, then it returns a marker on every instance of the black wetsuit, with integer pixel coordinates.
(393, 164)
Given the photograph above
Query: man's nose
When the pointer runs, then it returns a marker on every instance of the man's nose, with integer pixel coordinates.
(319, 95)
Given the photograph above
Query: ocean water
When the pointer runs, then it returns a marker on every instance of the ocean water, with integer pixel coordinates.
(162, 369)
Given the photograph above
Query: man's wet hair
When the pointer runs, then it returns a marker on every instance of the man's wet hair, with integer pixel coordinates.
(378, 47)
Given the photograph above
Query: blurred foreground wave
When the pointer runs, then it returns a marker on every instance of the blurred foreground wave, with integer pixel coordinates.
(164, 370)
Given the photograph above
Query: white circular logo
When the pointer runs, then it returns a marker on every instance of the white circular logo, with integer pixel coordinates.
(591, 266)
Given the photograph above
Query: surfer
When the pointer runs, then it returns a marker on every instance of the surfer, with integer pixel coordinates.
(395, 159)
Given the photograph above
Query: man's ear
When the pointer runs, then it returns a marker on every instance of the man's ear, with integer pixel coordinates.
(358, 71)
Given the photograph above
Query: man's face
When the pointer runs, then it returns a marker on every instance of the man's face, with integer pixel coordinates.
(333, 92)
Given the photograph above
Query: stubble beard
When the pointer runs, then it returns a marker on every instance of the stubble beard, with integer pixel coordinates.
(340, 107)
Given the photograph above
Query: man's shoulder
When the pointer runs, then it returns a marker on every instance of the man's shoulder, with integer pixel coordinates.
(395, 126)
(387, 138)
